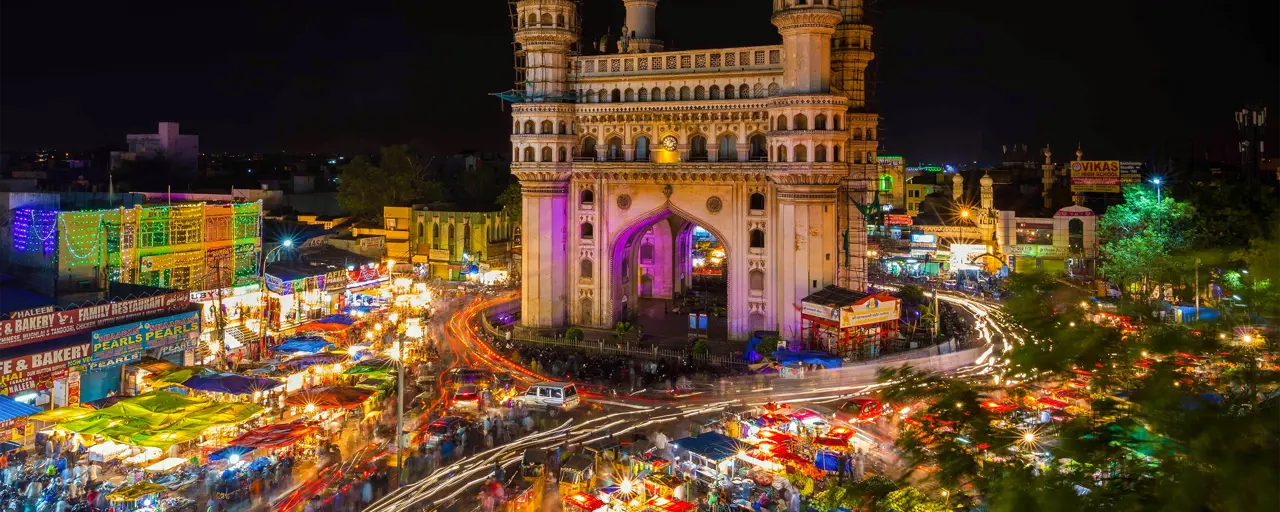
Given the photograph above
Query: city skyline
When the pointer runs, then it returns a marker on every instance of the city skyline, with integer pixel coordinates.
(954, 82)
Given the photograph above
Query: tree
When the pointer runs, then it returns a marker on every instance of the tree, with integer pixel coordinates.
(399, 179)
(700, 348)
(1144, 242)
(768, 345)
(574, 334)
(511, 200)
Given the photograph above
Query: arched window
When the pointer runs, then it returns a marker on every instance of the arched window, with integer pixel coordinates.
(629, 95)
(835, 153)
(449, 242)
(685, 94)
(759, 151)
(756, 280)
(728, 148)
(714, 92)
(528, 127)
(646, 253)
(589, 97)
(615, 149)
(435, 236)
(773, 89)
(515, 154)
(744, 92)
(857, 157)
(871, 157)
(516, 129)
(588, 197)
(547, 127)
(1075, 235)
(655, 94)
(697, 148)
(781, 123)
(584, 310)
(758, 90)
(757, 201)
(559, 20)
(782, 153)
(835, 122)
(564, 128)
(529, 156)
(546, 153)
(587, 230)
(466, 237)
(699, 93)
(871, 134)
(642, 149)
(857, 134)
(730, 92)
(757, 239)
(589, 147)
(616, 96)
(800, 122)
(886, 183)
(546, 19)
(564, 155)
(585, 269)
(802, 153)
(422, 230)
(820, 153)
(670, 94)
(533, 19)
(642, 94)
(820, 122)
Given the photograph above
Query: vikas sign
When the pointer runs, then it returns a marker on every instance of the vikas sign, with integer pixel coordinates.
(1095, 176)
(55, 324)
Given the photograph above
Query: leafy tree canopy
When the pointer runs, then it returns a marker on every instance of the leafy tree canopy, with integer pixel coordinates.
(510, 200)
(398, 179)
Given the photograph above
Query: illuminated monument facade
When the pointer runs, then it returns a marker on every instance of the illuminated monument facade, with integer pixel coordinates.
(621, 154)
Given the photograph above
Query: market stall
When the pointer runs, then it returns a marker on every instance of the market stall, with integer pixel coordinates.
(711, 456)
(329, 397)
(582, 502)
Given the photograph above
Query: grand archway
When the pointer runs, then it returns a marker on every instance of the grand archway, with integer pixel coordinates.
(665, 266)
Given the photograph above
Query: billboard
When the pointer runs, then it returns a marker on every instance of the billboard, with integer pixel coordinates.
(36, 372)
(1130, 173)
(126, 343)
(55, 324)
(1095, 176)
(924, 238)
(897, 220)
(871, 310)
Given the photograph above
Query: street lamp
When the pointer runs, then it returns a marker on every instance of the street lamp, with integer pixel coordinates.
(262, 282)
(1157, 183)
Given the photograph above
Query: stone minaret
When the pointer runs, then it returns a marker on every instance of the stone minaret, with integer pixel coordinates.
(957, 187)
(850, 55)
(641, 26)
(1046, 177)
(808, 140)
(541, 140)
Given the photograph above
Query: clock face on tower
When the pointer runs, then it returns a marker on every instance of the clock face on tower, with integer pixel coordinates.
(669, 143)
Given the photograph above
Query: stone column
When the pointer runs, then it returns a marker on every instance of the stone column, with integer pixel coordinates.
(805, 247)
(544, 284)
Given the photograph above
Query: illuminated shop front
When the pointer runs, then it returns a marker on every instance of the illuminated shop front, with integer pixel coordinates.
(842, 322)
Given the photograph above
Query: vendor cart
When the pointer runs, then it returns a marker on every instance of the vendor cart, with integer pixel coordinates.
(607, 455)
(661, 484)
(649, 462)
(577, 474)
(581, 502)
(524, 494)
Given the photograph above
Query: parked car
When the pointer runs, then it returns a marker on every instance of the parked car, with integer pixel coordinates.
(559, 395)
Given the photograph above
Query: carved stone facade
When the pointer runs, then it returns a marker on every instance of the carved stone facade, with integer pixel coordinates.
(764, 147)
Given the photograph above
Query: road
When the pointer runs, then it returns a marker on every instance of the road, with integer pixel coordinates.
(456, 484)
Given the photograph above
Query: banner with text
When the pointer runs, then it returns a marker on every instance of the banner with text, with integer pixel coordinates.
(36, 372)
(55, 324)
(1095, 176)
(126, 343)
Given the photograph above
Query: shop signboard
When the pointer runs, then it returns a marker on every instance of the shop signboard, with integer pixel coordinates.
(126, 343)
(1036, 251)
(820, 311)
(73, 388)
(31, 312)
(55, 324)
(36, 372)
(924, 239)
(1095, 176)
(897, 220)
(871, 310)
(1130, 173)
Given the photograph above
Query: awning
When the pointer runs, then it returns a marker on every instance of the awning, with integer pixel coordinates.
(157, 419)
(165, 465)
(711, 445)
(153, 365)
(372, 366)
(278, 435)
(229, 452)
(785, 357)
(133, 492)
(584, 501)
(329, 397)
(307, 344)
(669, 505)
(231, 383)
(12, 409)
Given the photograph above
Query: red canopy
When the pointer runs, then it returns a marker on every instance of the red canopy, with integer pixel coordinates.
(329, 397)
(775, 436)
(669, 505)
(1051, 402)
(278, 435)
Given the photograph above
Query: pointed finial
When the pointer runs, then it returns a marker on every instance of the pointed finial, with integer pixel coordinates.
(1079, 152)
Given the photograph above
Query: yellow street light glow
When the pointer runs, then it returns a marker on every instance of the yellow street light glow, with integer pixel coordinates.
(1029, 437)
(964, 213)
(1248, 338)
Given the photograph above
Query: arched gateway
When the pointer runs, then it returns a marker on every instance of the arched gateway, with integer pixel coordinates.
(610, 226)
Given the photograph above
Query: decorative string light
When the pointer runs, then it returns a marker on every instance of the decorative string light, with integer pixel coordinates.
(35, 230)
(85, 235)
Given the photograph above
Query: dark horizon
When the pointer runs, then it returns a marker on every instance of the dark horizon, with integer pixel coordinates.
(1130, 80)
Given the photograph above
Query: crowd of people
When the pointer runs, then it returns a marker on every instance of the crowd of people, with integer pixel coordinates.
(610, 371)
(56, 477)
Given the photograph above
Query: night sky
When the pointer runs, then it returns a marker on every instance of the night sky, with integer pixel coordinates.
(1130, 79)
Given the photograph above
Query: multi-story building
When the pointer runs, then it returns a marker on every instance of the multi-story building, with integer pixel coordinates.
(892, 182)
(763, 146)
(453, 244)
(182, 152)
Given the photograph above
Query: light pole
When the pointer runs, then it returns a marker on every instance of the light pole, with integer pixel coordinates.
(1157, 182)
(1197, 289)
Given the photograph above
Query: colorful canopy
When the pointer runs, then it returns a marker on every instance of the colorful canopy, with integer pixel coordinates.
(372, 366)
(712, 445)
(229, 452)
(278, 435)
(158, 419)
(133, 492)
(12, 409)
(669, 505)
(329, 397)
(308, 344)
(299, 363)
(230, 383)
(178, 375)
(584, 501)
